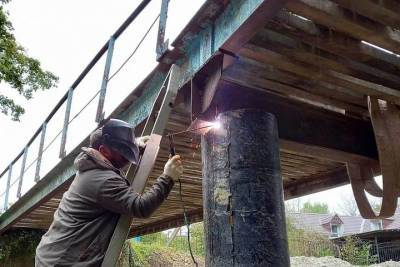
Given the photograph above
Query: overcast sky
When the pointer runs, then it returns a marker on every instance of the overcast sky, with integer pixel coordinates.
(65, 36)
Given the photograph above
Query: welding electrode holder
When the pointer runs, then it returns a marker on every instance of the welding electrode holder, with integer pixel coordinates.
(172, 151)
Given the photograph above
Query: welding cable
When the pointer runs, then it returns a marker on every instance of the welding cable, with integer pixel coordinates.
(136, 48)
(186, 222)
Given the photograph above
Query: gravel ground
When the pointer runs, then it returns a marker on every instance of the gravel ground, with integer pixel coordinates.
(331, 262)
(165, 259)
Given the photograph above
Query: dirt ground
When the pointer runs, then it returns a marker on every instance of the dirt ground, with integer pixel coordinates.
(164, 259)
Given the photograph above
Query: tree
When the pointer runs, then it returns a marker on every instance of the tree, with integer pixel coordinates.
(292, 205)
(321, 208)
(348, 205)
(21, 72)
(376, 205)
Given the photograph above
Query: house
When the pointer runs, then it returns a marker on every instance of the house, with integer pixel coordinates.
(334, 225)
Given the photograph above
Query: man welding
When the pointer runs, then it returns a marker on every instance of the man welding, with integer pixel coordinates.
(88, 212)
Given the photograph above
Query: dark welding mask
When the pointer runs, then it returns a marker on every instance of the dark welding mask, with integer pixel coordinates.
(120, 136)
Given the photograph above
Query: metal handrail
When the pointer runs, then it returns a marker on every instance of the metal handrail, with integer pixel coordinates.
(68, 97)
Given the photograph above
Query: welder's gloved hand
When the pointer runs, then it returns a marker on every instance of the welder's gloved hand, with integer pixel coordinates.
(174, 168)
(141, 141)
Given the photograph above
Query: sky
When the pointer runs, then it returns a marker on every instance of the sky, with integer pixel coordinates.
(64, 36)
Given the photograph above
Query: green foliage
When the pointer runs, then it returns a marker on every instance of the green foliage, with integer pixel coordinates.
(197, 239)
(307, 243)
(356, 251)
(142, 252)
(126, 258)
(179, 243)
(17, 244)
(21, 72)
(321, 208)
(156, 238)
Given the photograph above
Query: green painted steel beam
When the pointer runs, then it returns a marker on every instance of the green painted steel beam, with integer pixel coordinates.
(229, 31)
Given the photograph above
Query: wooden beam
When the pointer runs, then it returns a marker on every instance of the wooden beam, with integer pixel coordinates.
(245, 76)
(385, 117)
(334, 17)
(327, 153)
(332, 41)
(267, 71)
(301, 52)
(385, 12)
(316, 184)
(311, 72)
(298, 122)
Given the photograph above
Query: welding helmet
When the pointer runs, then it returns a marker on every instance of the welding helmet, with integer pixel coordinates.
(120, 136)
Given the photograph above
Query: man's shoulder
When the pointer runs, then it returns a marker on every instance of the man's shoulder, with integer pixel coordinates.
(99, 173)
(100, 176)
(91, 180)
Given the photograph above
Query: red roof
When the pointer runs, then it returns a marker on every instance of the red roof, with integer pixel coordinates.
(320, 223)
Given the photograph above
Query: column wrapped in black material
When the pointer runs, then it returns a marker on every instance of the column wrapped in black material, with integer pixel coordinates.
(244, 216)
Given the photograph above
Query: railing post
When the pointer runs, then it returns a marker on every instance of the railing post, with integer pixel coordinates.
(66, 122)
(40, 153)
(162, 45)
(8, 187)
(103, 89)
(21, 175)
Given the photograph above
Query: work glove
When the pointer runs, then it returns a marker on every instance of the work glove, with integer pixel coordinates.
(174, 168)
(141, 141)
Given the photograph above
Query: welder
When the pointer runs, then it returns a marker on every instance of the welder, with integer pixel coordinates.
(89, 211)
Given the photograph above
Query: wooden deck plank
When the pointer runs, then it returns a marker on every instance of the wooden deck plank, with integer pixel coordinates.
(384, 12)
(332, 41)
(311, 72)
(332, 16)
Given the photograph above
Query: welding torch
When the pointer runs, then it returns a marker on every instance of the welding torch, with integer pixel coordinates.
(170, 136)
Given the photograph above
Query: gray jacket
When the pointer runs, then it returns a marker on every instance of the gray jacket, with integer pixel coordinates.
(88, 212)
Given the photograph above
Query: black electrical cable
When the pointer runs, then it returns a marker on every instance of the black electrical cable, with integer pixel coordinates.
(185, 217)
(186, 221)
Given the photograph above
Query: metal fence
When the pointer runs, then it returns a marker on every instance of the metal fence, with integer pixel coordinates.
(386, 251)
(355, 251)
(29, 162)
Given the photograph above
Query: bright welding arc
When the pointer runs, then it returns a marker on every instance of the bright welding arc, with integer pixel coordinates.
(213, 125)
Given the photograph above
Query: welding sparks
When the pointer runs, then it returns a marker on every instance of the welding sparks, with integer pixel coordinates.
(200, 127)
(209, 125)
(216, 125)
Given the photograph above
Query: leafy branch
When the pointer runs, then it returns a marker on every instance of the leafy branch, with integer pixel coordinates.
(22, 72)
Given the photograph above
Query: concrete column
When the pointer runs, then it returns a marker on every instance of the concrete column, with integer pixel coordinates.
(244, 215)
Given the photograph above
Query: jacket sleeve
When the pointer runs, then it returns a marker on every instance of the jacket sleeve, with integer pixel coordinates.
(117, 196)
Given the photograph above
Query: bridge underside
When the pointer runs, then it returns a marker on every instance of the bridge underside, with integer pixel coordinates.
(296, 169)
(312, 66)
